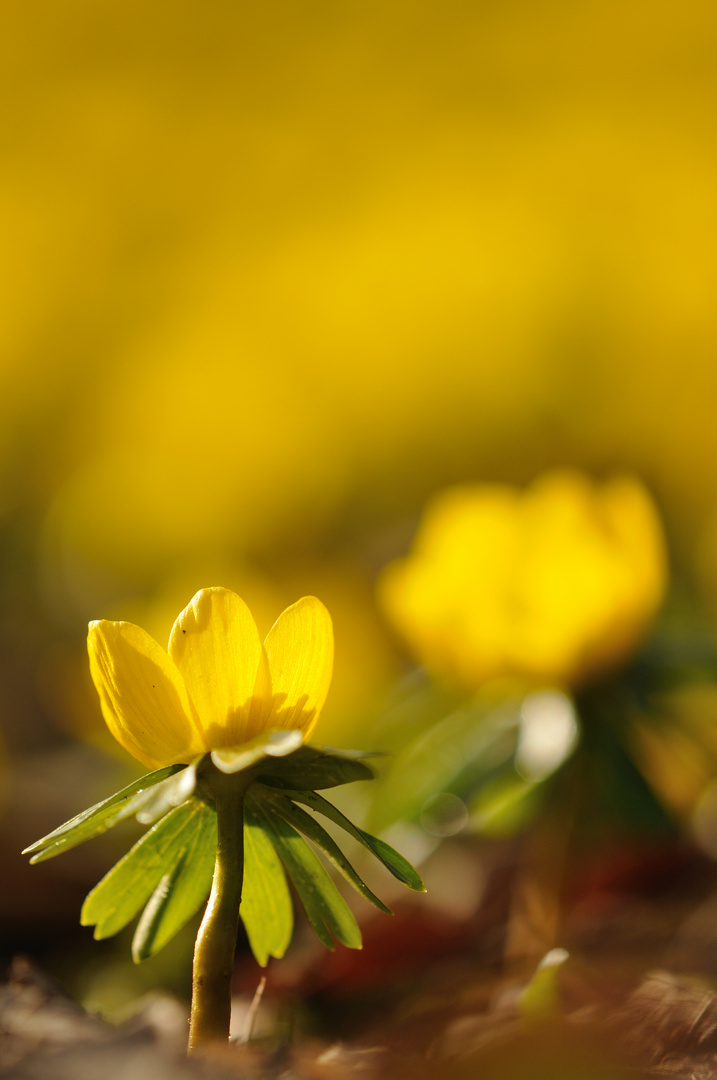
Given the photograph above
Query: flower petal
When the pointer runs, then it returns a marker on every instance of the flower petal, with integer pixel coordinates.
(216, 646)
(300, 652)
(143, 698)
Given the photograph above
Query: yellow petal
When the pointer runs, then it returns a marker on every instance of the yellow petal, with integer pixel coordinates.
(143, 698)
(300, 653)
(216, 646)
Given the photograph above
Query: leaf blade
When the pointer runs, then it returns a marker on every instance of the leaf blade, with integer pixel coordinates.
(117, 898)
(149, 806)
(181, 891)
(315, 832)
(96, 819)
(394, 862)
(266, 909)
(314, 767)
(326, 910)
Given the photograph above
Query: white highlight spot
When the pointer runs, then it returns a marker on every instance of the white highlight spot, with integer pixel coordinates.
(548, 733)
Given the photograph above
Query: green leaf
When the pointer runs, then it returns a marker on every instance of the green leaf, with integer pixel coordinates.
(325, 908)
(266, 909)
(155, 908)
(394, 862)
(183, 889)
(391, 859)
(149, 806)
(267, 744)
(315, 832)
(314, 767)
(128, 885)
(97, 819)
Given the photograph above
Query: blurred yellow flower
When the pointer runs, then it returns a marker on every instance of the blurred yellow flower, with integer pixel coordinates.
(217, 686)
(554, 583)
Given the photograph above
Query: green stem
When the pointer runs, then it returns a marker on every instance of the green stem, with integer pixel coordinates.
(216, 940)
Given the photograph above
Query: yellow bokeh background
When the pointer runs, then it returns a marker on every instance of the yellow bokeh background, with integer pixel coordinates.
(272, 277)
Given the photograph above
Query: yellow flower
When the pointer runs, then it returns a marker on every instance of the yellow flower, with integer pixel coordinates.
(217, 686)
(555, 583)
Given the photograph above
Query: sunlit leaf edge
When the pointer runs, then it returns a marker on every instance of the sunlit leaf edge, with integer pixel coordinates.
(96, 819)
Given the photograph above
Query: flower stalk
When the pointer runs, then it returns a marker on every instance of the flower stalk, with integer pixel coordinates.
(216, 941)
